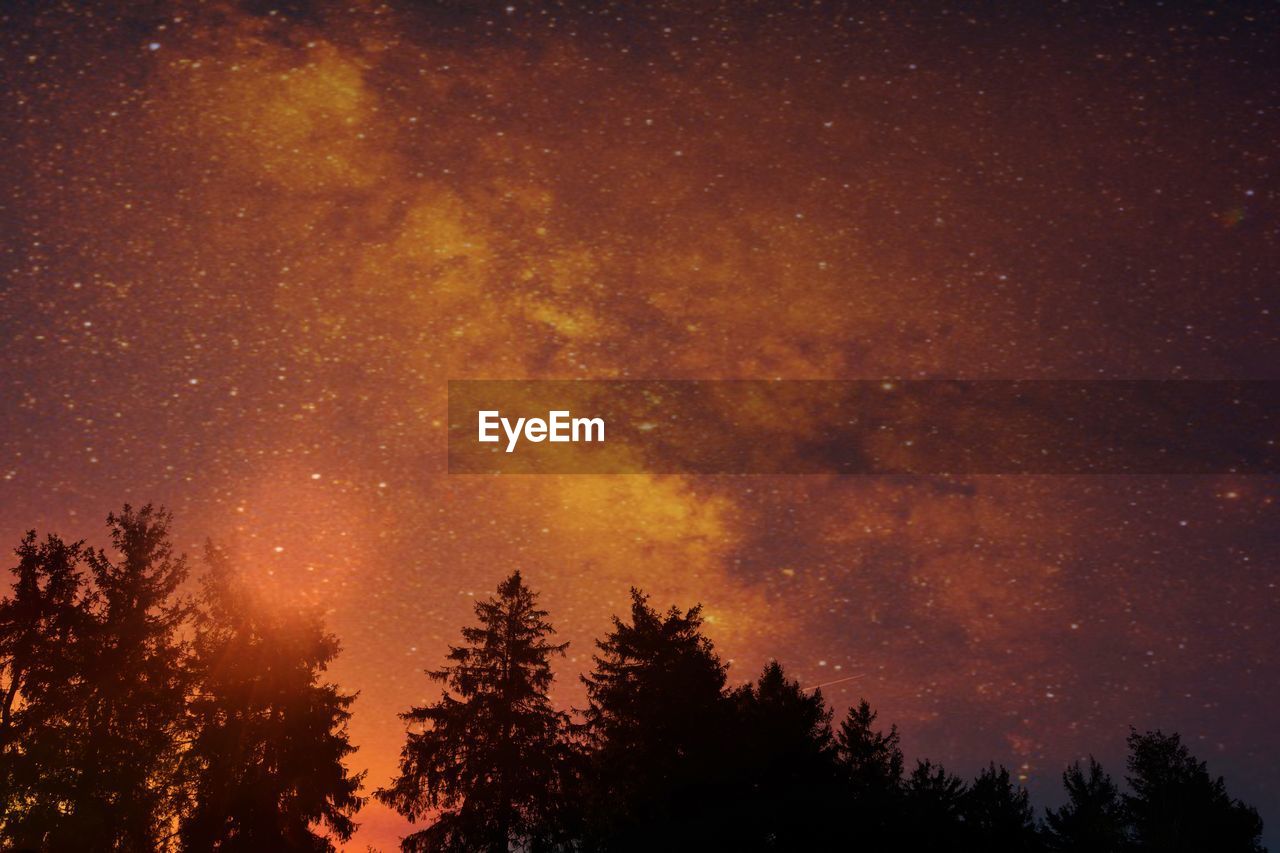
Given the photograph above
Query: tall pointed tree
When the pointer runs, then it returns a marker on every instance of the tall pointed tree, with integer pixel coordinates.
(786, 791)
(491, 757)
(101, 690)
(1092, 820)
(871, 763)
(265, 768)
(661, 727)
(126, 798)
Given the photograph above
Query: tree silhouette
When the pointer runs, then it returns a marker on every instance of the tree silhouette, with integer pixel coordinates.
(268, 737)
(934, 805)
(872, 765)
(492, 756)
(1093, 819)
(137, 689)
(786, 792)
(1177, 807)
(42, 624)
(132, 719)
(96, 685)
(659, 725)
(997, 814)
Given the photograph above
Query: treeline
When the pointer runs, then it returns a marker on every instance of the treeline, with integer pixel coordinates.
(137, 717)
(668, 756)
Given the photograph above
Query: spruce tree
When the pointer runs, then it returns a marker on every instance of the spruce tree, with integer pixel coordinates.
(94, 725)
(1092, 820)
(1177, 807)
(265, 769)
(786, 782)
(661, 728)
(934, 802)
(871, 765)
(491, 757)
(998, 815)
(125, 794)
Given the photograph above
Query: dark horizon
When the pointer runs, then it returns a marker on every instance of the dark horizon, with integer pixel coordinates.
(149, 705)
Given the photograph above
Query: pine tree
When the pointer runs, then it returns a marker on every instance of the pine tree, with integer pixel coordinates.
(100, 697)
(661, 728)
(1177, 807)
(872, 765)
(1092, 820)
(42, 624)
(785, 772)
(997, 814)
(491, 755)
(934, 802)
(265, 766)
(125, 796)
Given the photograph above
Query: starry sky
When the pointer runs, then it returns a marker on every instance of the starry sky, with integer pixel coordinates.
(245, 246)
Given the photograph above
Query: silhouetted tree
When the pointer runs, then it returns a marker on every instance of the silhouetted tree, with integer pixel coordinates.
(102, 695)
(998, 815)
(1093, 819)
(660, 726)
(934, 803)
(42, 624)
(137, 683)
(265, 766)
(131, 720)
(786, 790)
(1177, 807)
(492, 756)
(871, 764)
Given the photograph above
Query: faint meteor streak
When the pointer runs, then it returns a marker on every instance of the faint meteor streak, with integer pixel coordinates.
(837, 681)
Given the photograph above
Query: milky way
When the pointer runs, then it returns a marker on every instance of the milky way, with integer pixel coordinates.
(245, 247)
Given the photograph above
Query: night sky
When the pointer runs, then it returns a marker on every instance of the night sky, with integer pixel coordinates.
(245, 246)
